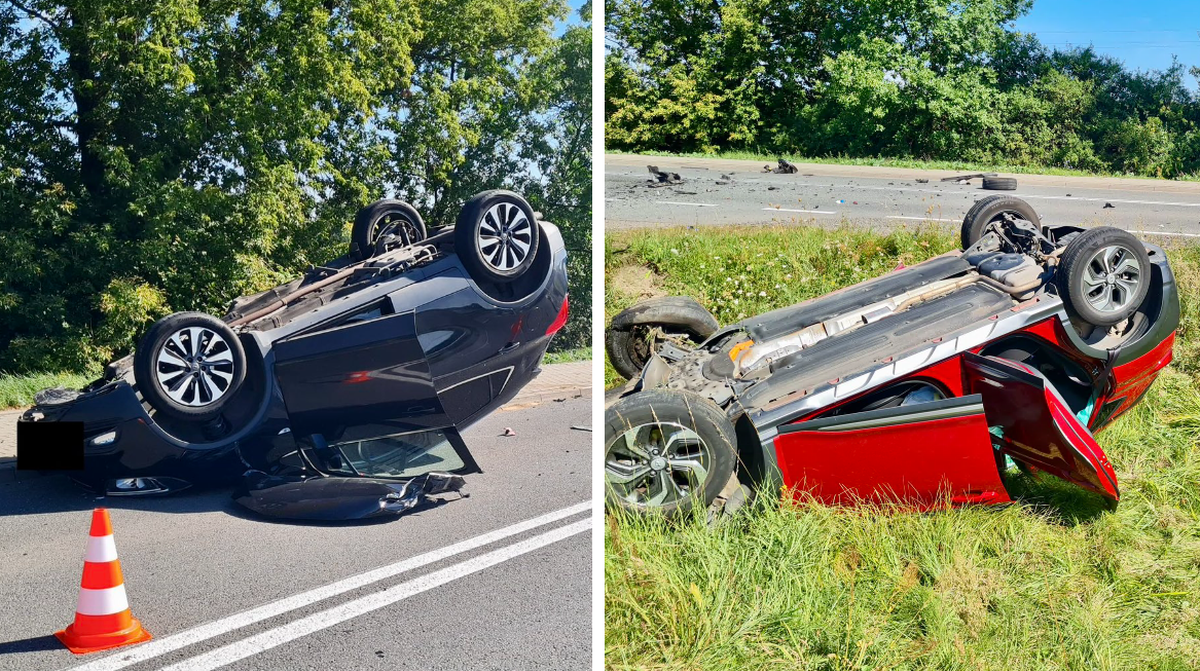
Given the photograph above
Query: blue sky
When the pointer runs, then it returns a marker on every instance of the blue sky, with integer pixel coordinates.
(1144, 34)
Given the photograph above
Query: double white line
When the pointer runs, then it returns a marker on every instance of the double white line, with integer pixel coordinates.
(337, 614)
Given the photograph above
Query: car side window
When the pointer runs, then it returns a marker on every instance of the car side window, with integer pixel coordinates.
(366, 313)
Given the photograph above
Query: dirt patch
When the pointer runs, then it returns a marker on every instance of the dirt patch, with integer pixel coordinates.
(636, 282)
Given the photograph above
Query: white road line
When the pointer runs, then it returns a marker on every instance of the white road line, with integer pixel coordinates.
(784, 209)
(896, 216)
(1115, 200)
(675, 202)
(1181, 235)
(291, 631)
(166, 644)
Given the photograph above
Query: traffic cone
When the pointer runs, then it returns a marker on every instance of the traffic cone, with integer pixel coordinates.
(102, 618)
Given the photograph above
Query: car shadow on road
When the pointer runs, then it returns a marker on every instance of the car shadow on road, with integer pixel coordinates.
(57, 493)
(33, 644)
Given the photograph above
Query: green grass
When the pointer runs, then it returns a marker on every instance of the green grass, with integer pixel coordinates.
(568, 355)
(16, 391)
(1054, 582)
(914, 163)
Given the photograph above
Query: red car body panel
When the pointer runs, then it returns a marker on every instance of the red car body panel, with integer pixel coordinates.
(1037, 426)
(925, 461)
(921, 462)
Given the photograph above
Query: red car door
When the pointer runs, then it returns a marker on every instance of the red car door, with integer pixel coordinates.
(919, 454)
(1036, 426)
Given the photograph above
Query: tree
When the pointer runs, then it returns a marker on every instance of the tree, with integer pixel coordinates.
(178, 154)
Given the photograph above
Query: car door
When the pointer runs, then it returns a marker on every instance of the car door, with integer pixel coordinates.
(1035, 425)
(360, 378)
(922, 454)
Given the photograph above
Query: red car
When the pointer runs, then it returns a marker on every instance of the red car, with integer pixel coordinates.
(927, 384)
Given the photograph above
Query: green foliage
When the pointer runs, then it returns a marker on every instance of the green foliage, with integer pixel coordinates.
(167, 153)
(924, 79)
(1053, 582)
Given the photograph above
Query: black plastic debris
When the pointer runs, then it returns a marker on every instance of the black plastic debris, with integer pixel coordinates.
(965, 179)
(663, 178)
(1109, 206)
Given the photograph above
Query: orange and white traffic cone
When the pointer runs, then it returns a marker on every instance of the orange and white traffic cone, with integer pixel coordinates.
(102, 618)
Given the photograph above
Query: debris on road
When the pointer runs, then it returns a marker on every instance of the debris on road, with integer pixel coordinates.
(1000, 183)
(725, 179)
(784, 168)
(663, 178)
(922, 181)
(1109, 206)
(508, 432)
(964, 179)
(582, 428)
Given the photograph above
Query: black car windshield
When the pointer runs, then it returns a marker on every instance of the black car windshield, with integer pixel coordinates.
(400, 456)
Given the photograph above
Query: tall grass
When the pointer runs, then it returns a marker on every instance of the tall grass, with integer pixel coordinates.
(1056, 581)
(16, 391)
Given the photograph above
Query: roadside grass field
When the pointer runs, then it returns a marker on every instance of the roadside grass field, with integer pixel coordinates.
(16, 391)
(1054, 582)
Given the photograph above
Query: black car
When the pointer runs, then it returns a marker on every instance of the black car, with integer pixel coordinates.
(341, 394)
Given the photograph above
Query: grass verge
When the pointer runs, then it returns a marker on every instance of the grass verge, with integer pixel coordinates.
(913, 163)
(16, 391)
(568, 355)
(1050, 583)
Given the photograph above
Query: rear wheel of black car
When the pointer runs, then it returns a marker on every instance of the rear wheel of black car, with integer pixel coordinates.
(496, 236)
(383, 225)
(628, 337)
(188, 366)
(1104, 275)
(667, 452)
(992, 208)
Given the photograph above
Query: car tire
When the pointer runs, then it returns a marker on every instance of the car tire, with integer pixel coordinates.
(1000, 183)
(1104, 276)
(627, 338)
(667, 452)
(384, 217)
(496, 236)
(188, 366)
(986, 210)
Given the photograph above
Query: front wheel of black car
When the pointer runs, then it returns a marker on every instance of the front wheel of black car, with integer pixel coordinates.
(1104, 275)
(385, 224)
(667, 452)
(496, 236)
(188, 365)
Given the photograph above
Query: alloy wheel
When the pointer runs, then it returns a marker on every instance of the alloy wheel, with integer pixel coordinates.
(505, 236)
(1111, 279)
(194, 366)
(656, 464)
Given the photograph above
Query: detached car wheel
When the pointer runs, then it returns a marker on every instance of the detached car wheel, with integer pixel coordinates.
(1000, 183)
(627, 339)
(1104, 275)
(383, 225)
(987, 210)
(189, 365)
(496, 236)
(666, 452)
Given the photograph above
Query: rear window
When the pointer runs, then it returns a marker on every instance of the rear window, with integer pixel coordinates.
(400, 456)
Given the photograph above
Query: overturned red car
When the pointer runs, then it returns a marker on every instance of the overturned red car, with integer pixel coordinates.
(933, 382)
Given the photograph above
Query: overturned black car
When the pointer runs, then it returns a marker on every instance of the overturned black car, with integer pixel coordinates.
(339, 395)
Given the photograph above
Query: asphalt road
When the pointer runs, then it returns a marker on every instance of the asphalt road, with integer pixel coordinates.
(880, 197)
(455, 586)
